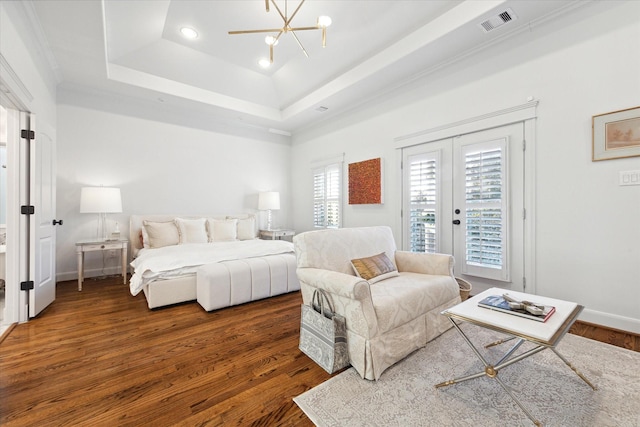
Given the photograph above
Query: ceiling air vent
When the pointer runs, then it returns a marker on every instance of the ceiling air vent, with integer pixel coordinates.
(498, 20)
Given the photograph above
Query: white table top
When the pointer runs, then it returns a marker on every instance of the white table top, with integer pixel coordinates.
(546, 333)
(98, 241)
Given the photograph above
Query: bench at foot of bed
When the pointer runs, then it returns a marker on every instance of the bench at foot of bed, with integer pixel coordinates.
(239, 281)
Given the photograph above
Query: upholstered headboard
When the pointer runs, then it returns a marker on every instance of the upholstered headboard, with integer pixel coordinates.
(136, 221)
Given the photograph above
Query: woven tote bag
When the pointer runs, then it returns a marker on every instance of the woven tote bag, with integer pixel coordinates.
(323, 334)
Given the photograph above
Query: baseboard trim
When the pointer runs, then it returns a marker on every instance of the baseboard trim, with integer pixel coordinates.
(7, 331)
(88, 274)
(612, 321)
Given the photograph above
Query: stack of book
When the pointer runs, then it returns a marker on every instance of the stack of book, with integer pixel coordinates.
(526, 309)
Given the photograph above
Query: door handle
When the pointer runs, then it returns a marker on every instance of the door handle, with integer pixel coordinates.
(57, 222)
(456, 221)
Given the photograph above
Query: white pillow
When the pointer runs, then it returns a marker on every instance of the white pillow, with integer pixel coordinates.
(161, 234)
(247, 228)
(222, 230)
(192, 230)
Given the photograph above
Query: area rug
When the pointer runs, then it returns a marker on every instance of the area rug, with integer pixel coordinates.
(405, 394)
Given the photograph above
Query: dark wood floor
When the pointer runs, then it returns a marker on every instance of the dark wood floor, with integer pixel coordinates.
(100, 357)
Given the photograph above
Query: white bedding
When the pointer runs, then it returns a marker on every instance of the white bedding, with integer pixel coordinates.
(178, 260)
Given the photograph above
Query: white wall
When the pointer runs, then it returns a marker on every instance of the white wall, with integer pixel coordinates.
(21, 51)
(587, 228)
(160, 168)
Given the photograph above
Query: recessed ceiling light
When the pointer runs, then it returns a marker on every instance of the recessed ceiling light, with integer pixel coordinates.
(264, 63)
(189, 33)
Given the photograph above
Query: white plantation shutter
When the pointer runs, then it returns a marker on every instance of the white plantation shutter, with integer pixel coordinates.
(327, 190)
(319, 205)
(423, 191)
(486, 209)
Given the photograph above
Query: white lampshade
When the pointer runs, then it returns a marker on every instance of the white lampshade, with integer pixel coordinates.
(269, 200)
(100, 200)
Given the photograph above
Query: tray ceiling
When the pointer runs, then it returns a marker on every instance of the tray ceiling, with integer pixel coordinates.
(134, 48)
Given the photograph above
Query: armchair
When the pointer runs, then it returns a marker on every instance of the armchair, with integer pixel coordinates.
(386, 320)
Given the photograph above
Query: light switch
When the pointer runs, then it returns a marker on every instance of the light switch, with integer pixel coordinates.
(630, 177)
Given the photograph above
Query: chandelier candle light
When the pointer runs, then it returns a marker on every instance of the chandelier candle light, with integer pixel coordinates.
(321, 24)
(100, 200)
(268, 201)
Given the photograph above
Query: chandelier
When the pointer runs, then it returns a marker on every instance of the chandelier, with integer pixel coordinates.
(271, 40)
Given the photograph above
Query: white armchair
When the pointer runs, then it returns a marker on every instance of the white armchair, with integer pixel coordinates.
(386, 320)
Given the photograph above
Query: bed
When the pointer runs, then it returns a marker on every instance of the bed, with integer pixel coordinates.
(215, 260)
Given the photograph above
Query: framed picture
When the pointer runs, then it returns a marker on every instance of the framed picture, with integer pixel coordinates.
(616, 135)
(365, 182)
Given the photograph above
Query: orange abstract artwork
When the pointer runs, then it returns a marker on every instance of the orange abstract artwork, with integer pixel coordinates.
(365, 182)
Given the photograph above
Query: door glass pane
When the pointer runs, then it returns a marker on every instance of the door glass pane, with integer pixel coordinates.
(422, 203)
(484, 237)
(485, 207)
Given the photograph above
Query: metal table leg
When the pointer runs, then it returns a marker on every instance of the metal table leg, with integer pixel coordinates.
(492, 371)
(573, 368)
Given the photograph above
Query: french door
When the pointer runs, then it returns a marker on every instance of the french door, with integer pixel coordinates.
(465, 196)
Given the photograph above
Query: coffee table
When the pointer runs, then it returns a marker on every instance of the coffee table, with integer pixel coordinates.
(542, 334)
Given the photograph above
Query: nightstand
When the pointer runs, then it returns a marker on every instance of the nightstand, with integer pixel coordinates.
(100, 245)
(276, 234)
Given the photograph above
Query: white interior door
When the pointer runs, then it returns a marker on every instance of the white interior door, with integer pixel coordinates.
(42, 242)
(465, 196)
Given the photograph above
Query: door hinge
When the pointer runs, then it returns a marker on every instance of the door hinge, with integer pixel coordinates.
(524, 284)
(26, 286)
(27, 134)
(524, 145)
(27, 210)
(524, 213)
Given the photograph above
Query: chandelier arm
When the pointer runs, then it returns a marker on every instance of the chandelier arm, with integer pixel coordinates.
(294, 14)
(284, 17)
(285, 28)
(267, 30)
(299, 44)
(303, 28)
(286, 20)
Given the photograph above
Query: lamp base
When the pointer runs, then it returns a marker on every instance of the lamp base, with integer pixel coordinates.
(102, 226)
(268, 219)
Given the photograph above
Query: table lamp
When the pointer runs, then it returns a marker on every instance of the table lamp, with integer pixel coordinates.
(268, 201)
(100, 200)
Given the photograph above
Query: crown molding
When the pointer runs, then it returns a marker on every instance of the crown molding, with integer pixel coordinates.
(12, 89)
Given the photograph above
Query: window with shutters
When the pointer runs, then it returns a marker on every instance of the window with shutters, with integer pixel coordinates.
(423, 191)
(327, 196)
(485, 207)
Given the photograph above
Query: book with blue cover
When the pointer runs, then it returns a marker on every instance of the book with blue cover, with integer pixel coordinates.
(526, 309)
